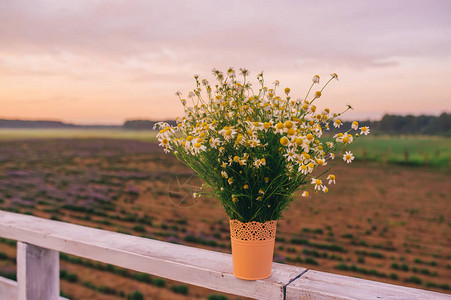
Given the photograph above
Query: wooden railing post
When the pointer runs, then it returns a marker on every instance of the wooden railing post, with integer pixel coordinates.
(37, 273)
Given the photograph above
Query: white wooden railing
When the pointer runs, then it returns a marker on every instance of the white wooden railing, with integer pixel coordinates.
(41, 240)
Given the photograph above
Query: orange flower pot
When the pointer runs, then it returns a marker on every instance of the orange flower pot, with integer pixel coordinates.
(252, 248)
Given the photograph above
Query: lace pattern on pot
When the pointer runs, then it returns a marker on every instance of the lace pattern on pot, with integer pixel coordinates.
(253, 231)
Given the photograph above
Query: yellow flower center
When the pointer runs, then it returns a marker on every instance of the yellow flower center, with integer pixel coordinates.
(279, 126)
(348, 157)
(228, 132)
(266, 125)
(288, 124)
(189, 138)
(332, 177)
(284, 141)
(345, 140)
(291, 131)
(318, 182)
(236, 158)
(299, 141)
(197, 145)
(309, 136)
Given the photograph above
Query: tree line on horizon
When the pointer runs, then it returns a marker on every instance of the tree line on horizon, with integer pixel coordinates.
(389, 124)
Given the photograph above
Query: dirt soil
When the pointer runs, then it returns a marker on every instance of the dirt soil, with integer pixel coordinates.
(386, 223)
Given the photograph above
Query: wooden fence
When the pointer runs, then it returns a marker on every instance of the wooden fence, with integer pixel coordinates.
(41, 240)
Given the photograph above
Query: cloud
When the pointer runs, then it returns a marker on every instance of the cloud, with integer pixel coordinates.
(362, 35)
(128, 54)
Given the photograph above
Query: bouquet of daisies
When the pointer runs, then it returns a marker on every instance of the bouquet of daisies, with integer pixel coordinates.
(256, 147)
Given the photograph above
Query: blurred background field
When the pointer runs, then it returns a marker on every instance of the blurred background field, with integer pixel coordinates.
(410, 150)
(76, 133)
(387, 219)
(413, 150)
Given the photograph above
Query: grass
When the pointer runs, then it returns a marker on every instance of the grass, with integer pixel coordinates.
(52, 133)
(408, 150)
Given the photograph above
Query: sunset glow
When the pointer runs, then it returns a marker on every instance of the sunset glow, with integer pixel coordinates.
(104, 62)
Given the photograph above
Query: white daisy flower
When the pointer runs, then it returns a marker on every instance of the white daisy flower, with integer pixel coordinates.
(331, 178)
(355, 125)
(315, 79)
(321, 162)
(339, 137)
(305, 194)
(303, 169)
(364, 130)
(348, 157)
(318, 184)
(347, 139)
(257, 163)
(279, 128)
(198, 147)
(227, 132)
(337, 123)
(214, 142)
(254, 142)
(224, 174)
(290, 155)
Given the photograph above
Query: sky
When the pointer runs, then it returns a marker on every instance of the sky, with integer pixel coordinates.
(104, 62)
